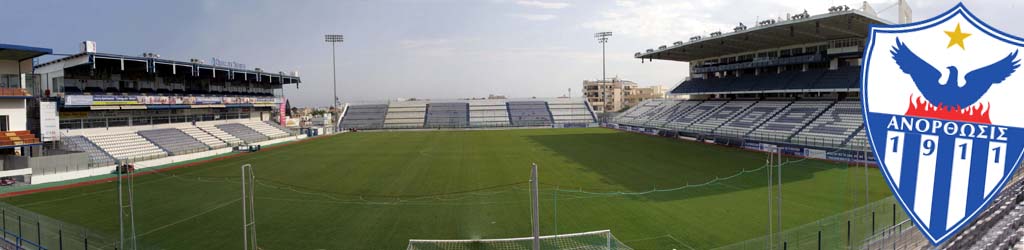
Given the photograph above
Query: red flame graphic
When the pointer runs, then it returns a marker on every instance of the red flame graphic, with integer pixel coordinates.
(975, 113)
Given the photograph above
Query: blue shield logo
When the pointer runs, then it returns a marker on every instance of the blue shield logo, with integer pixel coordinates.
(942, 109)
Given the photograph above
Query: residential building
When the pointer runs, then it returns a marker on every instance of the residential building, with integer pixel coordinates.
(616, 94)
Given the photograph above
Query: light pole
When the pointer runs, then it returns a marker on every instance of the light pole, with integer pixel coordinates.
(334, 40)
(602, 38)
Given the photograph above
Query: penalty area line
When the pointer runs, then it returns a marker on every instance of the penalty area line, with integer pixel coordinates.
(219, 206)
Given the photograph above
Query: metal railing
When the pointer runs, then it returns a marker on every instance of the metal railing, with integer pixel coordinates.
(32, 231)
(69, 124)
(847, 230)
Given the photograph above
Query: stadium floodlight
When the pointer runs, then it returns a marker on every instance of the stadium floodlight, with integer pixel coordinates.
(602, 38)
(334, 40)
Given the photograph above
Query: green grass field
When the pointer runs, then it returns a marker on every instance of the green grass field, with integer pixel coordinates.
(372, 190)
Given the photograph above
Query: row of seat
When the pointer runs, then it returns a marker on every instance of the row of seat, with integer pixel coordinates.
(221, 135)
(447, 115)
(841, 78)
(81, 144)
(267, 129)
(791, 119)
(468, 113)
(753, 116)
(1001, 226)
(247, 134)
(570, 112)
(204, 137)
(282, 128)
(149, 144)
(722, 115)
(20, 137)
(810, 122)
(365, 116)
(127, 146)
(410, 115)
(643, 111)
(173, 141)
(664, 114)
(692, 115)
(489, 115)
(833, 126)
(529, 113)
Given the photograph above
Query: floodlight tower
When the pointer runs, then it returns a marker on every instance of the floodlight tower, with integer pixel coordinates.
(602, 38)
(334, 40)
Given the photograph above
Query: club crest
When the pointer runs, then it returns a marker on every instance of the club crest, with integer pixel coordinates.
(943, 115)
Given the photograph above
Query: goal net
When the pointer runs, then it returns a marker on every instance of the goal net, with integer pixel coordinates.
(596, 240)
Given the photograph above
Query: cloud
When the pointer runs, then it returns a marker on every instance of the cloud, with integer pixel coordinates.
(423, 43)
(536, 17)
(543, 4)
(656, 19)
(428, 47)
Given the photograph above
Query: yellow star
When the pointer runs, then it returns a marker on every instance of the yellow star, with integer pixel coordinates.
(956, 37)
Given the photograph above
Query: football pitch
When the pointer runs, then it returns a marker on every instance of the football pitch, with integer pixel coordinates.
(377, 190)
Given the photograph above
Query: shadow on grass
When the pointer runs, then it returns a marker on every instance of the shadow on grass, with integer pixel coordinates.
(637, 163)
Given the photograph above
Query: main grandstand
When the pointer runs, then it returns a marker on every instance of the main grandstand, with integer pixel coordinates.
(792, 85)
(148, 110)
(792, 81)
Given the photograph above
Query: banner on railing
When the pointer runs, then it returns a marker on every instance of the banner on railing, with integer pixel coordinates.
(107, 100)
(575, 125)
(752, 145)
(848, 156)
(816, 153)
(795, 151)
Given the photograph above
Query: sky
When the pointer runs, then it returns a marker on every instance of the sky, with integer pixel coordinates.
(438, 49)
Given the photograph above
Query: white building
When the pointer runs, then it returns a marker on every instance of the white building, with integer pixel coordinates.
(17, 82)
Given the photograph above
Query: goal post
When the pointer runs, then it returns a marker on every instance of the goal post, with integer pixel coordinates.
(595, 240)
(248, 208)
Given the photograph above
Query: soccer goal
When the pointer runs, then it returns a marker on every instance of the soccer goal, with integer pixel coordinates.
(596, 240)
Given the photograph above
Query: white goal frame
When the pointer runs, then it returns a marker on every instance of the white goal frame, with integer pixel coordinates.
(610, 239)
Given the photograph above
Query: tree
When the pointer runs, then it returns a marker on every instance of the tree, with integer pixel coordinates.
(288, 108)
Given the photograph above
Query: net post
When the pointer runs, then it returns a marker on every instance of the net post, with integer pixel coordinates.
(608, 237)
(778, 160)
(769, 162)
(555, 201)
(120, 208)
(245, 218)
(131, 208)
(248, 208)
(534, 193)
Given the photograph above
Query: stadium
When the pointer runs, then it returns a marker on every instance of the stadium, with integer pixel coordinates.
(762, 146)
